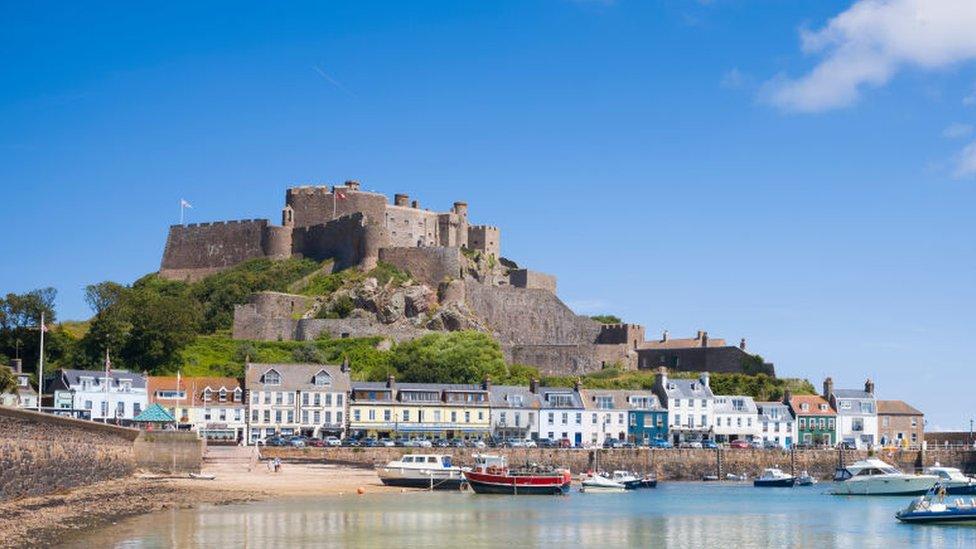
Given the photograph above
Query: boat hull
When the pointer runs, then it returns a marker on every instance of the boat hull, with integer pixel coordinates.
(648, 483)
(774, 483)
(602, 489)
(961, 490)
(895, 486)
(951, 516)
(429, 479)
(425, 483)
(483, 483)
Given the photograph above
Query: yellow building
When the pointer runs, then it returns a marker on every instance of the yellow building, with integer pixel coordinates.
(413, 410)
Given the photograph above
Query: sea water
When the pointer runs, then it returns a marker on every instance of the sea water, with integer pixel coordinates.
(676, 514)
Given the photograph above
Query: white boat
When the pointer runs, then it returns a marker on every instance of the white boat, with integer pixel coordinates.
(628, 479)
(774, 478)
(601, 484)
(873, 477)
(953, 480)
(805, 479)
(431, 471)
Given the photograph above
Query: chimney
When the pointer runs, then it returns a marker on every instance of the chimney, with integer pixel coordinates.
(345, 365)
(787, 396)
(665, 336)
(17, 365)
(401, 199)
(486, 383)
(742, 344)
(661, 377)
(705, 379)
(390, 380)
(704, 339)
(869, 386)
(577, 384)
(352, 185)
(415, 204)
(828, 388)
(700, 334)
(534, 386)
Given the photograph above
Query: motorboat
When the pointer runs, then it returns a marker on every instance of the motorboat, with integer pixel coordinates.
(597, 483)
(953, 480)
(492, 475)
(735, 478)
(630, 480)
(430, 471)
(709, 478)
(774, 478)
(933, 507)
(648, 481)
(805, 479)
(873, 477)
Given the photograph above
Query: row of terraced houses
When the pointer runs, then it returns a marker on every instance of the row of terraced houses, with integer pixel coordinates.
(321, 400)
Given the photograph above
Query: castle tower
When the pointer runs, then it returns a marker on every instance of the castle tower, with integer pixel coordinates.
(461, 231)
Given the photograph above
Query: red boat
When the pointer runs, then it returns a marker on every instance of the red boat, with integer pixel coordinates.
(492, 475)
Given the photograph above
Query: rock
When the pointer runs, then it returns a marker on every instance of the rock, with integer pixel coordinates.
(385, 344)
(418, 300)
(393, 308)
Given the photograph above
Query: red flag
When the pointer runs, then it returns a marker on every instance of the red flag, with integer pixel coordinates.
(340, 195)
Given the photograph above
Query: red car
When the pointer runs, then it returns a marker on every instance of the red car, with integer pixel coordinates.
(739, 443)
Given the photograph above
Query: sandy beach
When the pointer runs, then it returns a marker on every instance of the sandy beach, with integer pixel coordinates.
(45, 520)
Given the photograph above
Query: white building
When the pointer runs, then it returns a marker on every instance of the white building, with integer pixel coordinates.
(560, 413)
(857, 414)
(26, 396)
(736, 418)
(608, 413)
(690, 404)
(514, 412)
(777, 424)
(211, 406)
(296, 399)
(119, 396)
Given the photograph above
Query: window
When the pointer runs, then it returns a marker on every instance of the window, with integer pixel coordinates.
(579, 418)
(386, 415)
(805, 407)
(267, 416)
(884, 421)
(104, 408)
(88, 405)
(279, 398)
(255, 397)
(254, 416)
(317, 399)
(355, 414)
(406, 415)
(704, 420)
(327, 399)
(453, 417)
(437, 416)
(704, 403)
(207, 394)
(272, 377)
(552, 418)
(565, 418)
(304, 399)
(222, 395)
(223, 414)
(291, 399)
(371, 415)
(467, 417)
(803, 423)
(291, 416)
(594, 419)
(481, 416)
(238, 394)
(322, 379)
(174, 395)
(633, 420)
(339, 399)
(304, 416)
(914, 422)
(518, 419)
(267, 397)
(604, 402)
(677, 419)
(830, 423)
(277, 416)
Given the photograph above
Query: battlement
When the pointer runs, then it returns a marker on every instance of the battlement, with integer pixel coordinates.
(218, 223)
(631, 335)
(485, 239)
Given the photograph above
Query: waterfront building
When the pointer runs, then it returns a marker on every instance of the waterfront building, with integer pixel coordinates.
(816, 421)
(647, 420)
(514, 412)
(690, 404)
(777, 424)
(419, 410)
(561, 413)
(900, 424)
(295, 399)
(736, 418)
(212, 406)
(699, 354)
(613, 414)
(118, 396)
(857, 413)
(26, 396)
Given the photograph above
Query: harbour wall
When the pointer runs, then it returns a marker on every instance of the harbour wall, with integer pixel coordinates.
(667, 464)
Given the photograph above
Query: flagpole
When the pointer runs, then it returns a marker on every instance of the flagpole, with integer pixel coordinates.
(40, 367)
(107, 406)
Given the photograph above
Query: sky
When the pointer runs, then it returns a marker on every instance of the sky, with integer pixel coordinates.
(798, 173)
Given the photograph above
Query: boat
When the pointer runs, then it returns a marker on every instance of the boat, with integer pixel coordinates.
(648, 481)
(709, 478)
(805, 479)
(735, 478)
(953, 480)
(597, 483)
(873, 477)
(774, 478)
(430, 471)
(492, 475)
(933, 508)
(630, 480)
(202, 476)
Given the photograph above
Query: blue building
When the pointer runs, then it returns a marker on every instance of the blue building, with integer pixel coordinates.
(623, 414)
(647, 422)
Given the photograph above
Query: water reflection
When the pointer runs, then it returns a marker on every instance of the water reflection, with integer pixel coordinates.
(674, 515)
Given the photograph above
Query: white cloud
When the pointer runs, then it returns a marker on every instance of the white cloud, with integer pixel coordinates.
(734, 79)
(957, 130)
(966, 161)
(867, 44)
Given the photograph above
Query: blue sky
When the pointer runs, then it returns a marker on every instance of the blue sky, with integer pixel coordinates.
(801, 174)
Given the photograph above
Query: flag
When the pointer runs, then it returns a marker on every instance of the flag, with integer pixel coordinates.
(185, 204)
(177, 380)
(108, 363)
(340, 195)
(44, 328)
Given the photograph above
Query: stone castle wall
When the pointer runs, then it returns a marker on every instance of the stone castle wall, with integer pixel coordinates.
(349, 240)
(429, 266)
(311, 328)
(269, 316)
(524, 278)
(41, 454)
(199, 249)
(529, 316)
(571, 359)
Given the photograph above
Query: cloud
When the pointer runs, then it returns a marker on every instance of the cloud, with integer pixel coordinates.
(966, 162)
(734, 79)
(957, 130)
(866, 45)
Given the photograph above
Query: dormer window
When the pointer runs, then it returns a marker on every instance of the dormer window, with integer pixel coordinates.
(823, 407)
(806, 407)
(272, 377)
(22, 381)
(237, 394)
(322, 379)
(207, 394)
(222, 395)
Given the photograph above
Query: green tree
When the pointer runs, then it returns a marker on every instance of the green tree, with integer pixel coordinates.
(308, 353)
(455, 357)
(607, 319)
(161, 326)
(8, 382)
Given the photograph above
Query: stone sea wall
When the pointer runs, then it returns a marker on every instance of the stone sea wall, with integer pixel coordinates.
(668, 464)
(40, 453)
(171, 452)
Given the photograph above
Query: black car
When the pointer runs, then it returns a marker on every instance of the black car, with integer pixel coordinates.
(350, 442)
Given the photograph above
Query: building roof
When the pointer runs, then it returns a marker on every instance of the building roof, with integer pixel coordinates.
(501, 396)
(897, 408)
(813, 402)
(682, 343)
(193, 387)
(155, 414)
(295, 377)
(852, 393)
(774, 410)
(544, 402)
(73, 377)
(687, 388)
(724, 404)
(621, 398)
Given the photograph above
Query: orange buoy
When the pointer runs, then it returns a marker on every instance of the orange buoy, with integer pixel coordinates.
(360, 490)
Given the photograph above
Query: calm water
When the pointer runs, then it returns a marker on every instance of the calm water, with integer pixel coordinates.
(673, 515)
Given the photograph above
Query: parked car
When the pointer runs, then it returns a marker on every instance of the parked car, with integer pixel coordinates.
(529, 443)
(276, 441)
(385, 442)
(756, 445)
(315, 442)
(710, 444)
(401, 442)
(739, 443)
(296, 442)
(442, 443)
(479, 444)
(369, 442)
(546, 443)
(565, 443)
(457, 443)
(660, 443)
(770, 445)
(332, 441)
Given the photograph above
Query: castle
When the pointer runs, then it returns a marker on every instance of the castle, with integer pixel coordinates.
(345, 223)
(461, 281)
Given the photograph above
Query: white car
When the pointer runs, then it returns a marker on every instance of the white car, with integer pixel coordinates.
(530, 444)
(333, 441)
